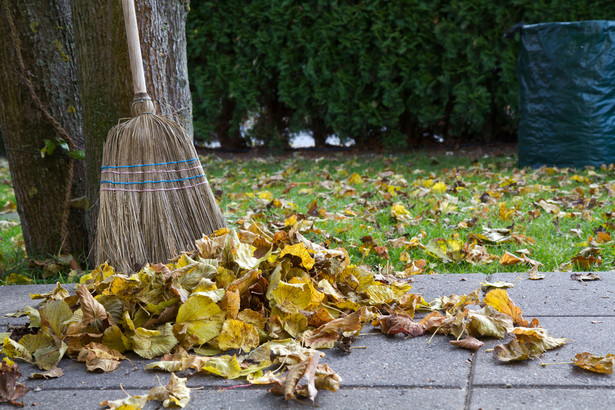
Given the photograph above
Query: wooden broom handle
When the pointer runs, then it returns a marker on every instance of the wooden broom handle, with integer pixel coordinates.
(134, 47)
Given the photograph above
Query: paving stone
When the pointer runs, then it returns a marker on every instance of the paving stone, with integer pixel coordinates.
(399, 361)
(436, 286)
(558, 295)
(542, 398)
(14, 298)
(584, 335)
(259, 398)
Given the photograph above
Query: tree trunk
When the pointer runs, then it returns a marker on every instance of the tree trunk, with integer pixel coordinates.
(104, 72)
(32, 95)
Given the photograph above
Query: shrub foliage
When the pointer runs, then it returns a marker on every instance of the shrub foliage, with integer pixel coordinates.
(384, 73)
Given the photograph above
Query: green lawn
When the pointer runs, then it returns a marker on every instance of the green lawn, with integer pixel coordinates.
(412, 213)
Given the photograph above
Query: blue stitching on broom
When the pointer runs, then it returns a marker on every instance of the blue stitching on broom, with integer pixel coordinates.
(189, 161)
(151, 182)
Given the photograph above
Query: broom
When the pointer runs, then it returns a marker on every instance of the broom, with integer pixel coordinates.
(155, 199)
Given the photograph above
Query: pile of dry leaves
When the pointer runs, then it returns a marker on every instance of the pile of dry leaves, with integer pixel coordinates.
(248, 301)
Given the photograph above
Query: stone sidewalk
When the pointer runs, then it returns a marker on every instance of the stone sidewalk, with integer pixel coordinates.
(395, 372)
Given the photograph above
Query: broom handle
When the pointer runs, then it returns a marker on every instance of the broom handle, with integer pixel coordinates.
(134, 47)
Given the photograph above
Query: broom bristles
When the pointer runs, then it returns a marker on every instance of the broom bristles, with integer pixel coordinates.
(155, 200)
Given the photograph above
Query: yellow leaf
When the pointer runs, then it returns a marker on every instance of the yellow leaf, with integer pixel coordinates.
(439, 188)
(299, 250)
(200, 317)
(355, 179)
(292, 296)
(380, 294)
(151, 343)
(236, 334)
(593, 363)
(56, 312)
(400, 213)
(498, 299)
(505, 213)
(291, 220)
(265, 195)
(510, 259)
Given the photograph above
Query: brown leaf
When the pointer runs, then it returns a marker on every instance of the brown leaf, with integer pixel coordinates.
(91, 308)
(432, 321)
(100, 357)
(593, 363)
(469, 342)
(394, 324)
(581, 277)
(10, 390)
(295, 373)
(328, 333)
(343, 342)
(49, 374)
(586, 262)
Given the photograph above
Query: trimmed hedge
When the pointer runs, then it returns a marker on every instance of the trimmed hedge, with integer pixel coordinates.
(384, 73)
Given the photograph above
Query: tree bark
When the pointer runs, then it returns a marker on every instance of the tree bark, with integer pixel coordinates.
(41, 33)
(104, 73)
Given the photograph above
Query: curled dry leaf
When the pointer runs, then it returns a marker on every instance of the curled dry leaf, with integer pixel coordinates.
(469, 343)
(593, 363)
(49, 374)
(582, 277)
(10, 390)
(395, 324)
(528, 343)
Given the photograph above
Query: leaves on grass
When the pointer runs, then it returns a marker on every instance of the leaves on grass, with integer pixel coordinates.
(594, 363)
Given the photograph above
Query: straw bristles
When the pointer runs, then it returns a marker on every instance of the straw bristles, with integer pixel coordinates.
(155, 200)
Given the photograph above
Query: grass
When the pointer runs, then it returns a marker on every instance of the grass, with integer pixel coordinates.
(447, 208)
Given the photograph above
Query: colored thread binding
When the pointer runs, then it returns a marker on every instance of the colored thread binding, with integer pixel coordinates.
(110, 169)
(153, 190)
(152, 182)
(149, 165)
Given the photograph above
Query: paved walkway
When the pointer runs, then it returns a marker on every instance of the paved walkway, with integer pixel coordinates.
(394, 372)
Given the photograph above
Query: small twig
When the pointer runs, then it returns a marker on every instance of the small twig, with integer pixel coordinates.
(543, 364)
(235, 387)
(358, 347)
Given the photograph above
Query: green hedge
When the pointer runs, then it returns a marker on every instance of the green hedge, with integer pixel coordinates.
(384, 73)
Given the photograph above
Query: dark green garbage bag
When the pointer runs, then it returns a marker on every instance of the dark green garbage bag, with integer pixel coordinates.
(567, 94)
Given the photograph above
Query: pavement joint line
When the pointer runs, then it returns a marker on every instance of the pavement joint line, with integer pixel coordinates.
(263, 388)
(542, 387)
(467, 402)
(572, 316)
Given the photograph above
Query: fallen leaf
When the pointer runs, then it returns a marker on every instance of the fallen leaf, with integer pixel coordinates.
(395, 324)
(174, 394)
(49, 374)
(593, 363)
(469, 343)
(496, 285)
(91, 308)
(236, 334)
(98, 357)
(498, 298)
(510, 259)
(528, 343)
(581, 277)
(10, 390)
